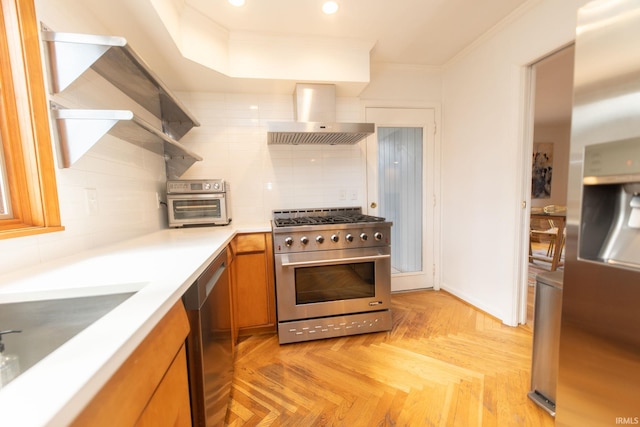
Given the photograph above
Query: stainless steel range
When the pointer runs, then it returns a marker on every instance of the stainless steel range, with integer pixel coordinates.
(333, 273)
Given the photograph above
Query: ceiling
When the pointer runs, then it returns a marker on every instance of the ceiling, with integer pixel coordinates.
(412, 32)
(424, 32)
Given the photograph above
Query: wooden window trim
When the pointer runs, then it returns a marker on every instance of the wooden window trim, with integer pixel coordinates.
(26, 137)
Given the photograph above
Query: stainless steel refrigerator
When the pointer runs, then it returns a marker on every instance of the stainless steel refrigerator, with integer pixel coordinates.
(599, 356)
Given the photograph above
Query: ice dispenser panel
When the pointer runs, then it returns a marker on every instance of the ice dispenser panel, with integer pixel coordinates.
(610, 217)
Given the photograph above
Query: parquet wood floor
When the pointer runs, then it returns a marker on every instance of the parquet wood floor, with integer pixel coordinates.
(445, 363)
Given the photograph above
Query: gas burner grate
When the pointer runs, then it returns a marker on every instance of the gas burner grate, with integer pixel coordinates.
(346, 218)
(307, 220)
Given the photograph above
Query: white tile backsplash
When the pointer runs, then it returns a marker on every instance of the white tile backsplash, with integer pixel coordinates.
(124, 179)
(121, 178)
(232, 139)
(267, 177)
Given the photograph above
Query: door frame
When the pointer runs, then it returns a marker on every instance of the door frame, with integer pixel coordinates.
(528, 90)
(434, 175)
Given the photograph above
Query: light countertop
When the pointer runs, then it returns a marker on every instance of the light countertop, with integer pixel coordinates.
(159, 266)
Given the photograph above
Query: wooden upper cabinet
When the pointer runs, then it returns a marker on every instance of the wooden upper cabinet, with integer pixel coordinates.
(253, 283)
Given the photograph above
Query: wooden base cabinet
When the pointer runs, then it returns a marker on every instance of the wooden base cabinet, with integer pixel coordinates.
(151, 388)
(253, 284)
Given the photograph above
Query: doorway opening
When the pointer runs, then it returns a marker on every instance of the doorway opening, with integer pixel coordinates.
(551, 102)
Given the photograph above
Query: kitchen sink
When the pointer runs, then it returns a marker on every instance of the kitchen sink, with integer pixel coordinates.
(48, 324)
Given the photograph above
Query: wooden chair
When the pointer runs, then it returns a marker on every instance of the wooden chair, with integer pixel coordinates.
(549, 233)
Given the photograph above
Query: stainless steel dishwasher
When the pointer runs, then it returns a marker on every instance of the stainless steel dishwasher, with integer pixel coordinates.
(209, 344)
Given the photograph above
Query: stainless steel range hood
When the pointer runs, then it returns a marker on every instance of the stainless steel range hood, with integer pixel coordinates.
(315, 120)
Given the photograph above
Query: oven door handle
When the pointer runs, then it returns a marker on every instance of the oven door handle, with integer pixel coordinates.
(286, 262)
(183, 208)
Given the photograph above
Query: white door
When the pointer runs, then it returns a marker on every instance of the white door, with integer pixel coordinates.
(401, 179)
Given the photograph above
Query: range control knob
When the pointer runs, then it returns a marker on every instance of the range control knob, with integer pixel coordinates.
(304, 240)
(320, 239)
(335, 238)
(377, 236)
(363, 237)
(288, 241)
(348, 238)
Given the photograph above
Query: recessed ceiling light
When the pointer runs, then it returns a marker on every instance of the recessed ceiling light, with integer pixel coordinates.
(237, 3)
(330, 7)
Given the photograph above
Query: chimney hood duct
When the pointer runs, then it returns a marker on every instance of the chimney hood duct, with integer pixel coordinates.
(315, 115)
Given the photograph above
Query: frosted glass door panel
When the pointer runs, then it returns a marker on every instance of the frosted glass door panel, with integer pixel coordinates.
(401, 183)
(400, 188)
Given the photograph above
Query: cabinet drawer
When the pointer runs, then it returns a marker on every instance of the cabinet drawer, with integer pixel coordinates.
(244, 243)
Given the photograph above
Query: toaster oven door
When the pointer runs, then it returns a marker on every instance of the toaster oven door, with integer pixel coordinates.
(193, 209)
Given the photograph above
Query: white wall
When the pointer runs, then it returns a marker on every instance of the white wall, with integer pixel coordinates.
(482, 152)
(404, 83)
(482, 159)
(125, 178)
(232, 140)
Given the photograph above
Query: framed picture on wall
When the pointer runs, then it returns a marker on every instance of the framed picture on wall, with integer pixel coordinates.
(542, 170)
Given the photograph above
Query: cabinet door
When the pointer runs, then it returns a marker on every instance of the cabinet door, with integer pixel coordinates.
(124, 398)
(170, 404)
(253, 283)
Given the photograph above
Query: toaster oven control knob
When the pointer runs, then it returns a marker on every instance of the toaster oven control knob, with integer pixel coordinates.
(335, 238)
(304, 240)
(363, 237)
(288, 241)
(348, 237)
(320, 239)
(377, 236)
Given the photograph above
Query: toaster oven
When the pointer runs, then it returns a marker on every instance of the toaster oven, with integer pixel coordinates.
(198, 202)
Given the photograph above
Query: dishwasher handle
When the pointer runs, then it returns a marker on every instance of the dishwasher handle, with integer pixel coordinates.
(214, 279)
(198, 292)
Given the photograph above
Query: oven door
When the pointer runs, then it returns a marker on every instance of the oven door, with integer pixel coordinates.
(336, 282)
(187, 209)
